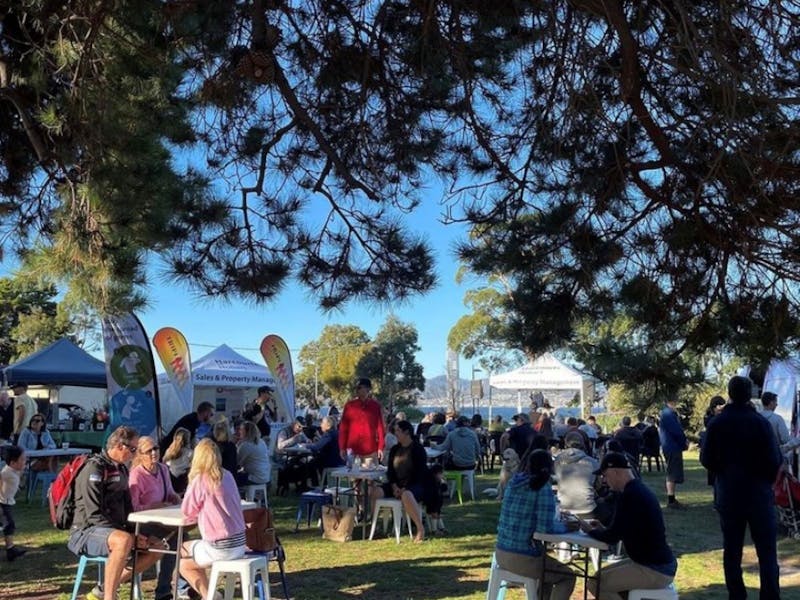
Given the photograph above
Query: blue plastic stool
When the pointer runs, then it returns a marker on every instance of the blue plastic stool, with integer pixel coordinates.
(45, 477)
(310, 501)
(100, 560)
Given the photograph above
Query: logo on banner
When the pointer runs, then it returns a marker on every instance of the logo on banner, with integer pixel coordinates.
(130, 367)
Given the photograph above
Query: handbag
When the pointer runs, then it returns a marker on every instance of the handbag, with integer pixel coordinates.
(259, 530)
(338, 523)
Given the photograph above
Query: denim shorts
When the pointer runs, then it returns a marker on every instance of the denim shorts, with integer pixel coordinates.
(92, 541)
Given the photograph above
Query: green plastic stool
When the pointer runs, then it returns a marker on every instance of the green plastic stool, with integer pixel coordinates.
(456, 478)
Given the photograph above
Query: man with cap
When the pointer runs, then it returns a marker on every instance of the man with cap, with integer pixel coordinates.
(741, 451)
(639, 523)
(362, 428)
(575, 473)
(521, 434)
(267, 402)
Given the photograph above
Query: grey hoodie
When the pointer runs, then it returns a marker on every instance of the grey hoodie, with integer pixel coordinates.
(574, 472)
(464, 445)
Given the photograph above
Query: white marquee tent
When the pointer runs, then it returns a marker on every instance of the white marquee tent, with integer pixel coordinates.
(546, 373)
(223, 377)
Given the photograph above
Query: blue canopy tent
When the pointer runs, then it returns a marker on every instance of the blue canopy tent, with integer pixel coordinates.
(60, 363)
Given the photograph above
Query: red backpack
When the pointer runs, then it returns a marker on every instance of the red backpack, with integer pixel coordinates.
(62, 493)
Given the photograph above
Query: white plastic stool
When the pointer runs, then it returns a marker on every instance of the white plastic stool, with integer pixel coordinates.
(396, 506)
(246, 568)
(667, 593)
(499, 580)
(251, 491)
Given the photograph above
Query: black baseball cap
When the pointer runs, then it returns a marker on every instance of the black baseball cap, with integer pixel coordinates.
(613, 460)
(364, 382)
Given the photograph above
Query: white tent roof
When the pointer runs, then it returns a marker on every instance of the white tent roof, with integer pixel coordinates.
(544, 373)
(224, 366)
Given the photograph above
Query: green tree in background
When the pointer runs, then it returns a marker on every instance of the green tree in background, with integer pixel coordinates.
(390, 362)
(333, 359)
(30, 319)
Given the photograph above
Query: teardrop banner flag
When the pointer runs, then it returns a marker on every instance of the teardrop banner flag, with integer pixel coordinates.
(279, 362)
(172, 349)
(130, 375)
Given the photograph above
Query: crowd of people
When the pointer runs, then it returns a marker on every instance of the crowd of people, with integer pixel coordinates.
(203, 461)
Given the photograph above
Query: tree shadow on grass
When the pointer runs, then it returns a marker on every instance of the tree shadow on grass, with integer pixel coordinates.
(385, 580)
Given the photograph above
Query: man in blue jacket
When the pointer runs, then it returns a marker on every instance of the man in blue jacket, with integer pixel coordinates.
(741, 451)
(673, 443)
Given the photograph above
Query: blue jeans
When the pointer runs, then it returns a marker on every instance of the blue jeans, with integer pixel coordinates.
(760, 517)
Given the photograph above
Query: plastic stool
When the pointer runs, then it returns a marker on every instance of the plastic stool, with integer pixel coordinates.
(252, 490)
(100, 560)
(246, 568)
(45, 477)
(457, 477)
(667, 593)
(499, 580)
(310, 501)
(396, 507)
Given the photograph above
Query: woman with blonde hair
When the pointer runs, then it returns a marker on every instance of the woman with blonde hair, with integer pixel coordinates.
(150, 486)
(212, 499)
(178, 457)
(252, 456)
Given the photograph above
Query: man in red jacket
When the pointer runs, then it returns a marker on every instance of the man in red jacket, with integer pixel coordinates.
(362, 429)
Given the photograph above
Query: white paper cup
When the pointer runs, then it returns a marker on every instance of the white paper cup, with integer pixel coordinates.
(65, 445)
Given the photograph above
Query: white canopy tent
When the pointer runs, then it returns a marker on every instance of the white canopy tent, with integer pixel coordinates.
(782, 379)
(546, 373)
(223, 377)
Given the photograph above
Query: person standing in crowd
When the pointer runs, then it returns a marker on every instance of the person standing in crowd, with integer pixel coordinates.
(521, 434)
(191, 423)
(266, 400)
(102, 505)
(6, 416)
(24, 409)
(254, 412)
(529, 507)
(741, 451)
(9, 485)
(769, 400)
(639, 523)
(361, 428)
(212, 499)
(673, 443)
(151, 487)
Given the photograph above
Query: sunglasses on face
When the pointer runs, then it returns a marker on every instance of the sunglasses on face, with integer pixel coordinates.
(132, 449)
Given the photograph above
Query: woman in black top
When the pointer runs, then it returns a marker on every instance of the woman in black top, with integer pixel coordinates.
(409, 479)
(222, 437)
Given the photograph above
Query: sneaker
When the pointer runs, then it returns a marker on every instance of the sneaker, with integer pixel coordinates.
(676, 505)
(14, 553)
(95, 594)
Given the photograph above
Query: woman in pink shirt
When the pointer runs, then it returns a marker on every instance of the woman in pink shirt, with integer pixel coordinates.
(212, 498)
(151, 487)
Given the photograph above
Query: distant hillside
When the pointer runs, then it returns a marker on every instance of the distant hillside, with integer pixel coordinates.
(435, 394)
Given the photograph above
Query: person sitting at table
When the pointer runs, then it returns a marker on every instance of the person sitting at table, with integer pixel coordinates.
(462, 446)
(36, 437)
(408, 479)
(424, 426)
(310, 429)
(529, 507)
(151, 487)
(227, 449)
(574, 470)
(252, 456)
(639, 523)
(436, 432)
(178, 457)
(191, 423)
(212, 499)
(103, 502)
(293, 469)
(390, 440)
(326, 448)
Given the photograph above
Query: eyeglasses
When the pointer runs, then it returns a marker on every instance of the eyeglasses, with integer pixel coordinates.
(131, 449)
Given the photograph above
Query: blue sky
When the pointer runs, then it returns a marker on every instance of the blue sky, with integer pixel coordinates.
(207, 323)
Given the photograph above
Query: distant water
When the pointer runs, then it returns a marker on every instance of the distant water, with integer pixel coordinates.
(506, 411)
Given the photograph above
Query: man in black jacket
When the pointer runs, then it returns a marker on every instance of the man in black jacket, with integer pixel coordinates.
(639, 524)
(102, 504)
(741, 451)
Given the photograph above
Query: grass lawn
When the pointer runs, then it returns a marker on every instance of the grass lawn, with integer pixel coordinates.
(455, 566)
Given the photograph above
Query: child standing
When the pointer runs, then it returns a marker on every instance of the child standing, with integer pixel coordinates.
(9, 484)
